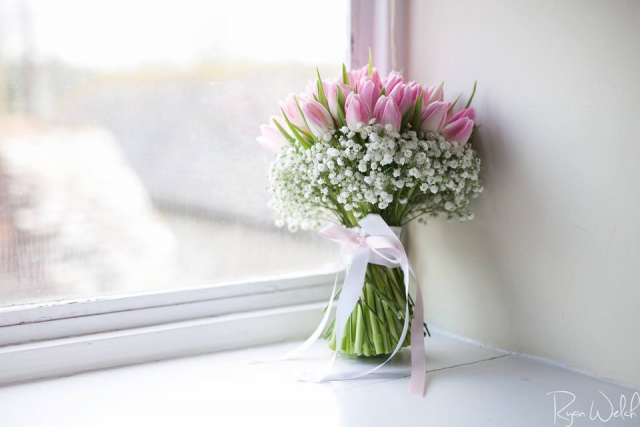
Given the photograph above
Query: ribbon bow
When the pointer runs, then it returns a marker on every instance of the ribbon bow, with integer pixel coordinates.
(374, 242)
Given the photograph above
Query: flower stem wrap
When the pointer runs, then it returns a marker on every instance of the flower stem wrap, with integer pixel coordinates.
(373, 243)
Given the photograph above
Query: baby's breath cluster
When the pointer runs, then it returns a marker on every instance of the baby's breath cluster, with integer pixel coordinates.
(348, 174)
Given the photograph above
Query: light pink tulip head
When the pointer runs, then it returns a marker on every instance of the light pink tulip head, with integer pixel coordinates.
(330, 88)
(393, 79)
(318, 118)
(290, 108)
(416, 90)
(436, 94)
(433, 117)
(375, 76)
(369, 91)
(459, 130)
(469, 113)
(356, 75)
(357, 111)
(387, 113)
(404, 96)
(272, 139)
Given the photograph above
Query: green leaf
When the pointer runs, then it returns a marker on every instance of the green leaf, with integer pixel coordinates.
(302, 114)
(283, 132)
(341, 98)
(370, 63)
(454, 104)
(345, 76)
(473, 92)
(322, 99)
(341, 114)
(417, 111)
(405, 119)
(473, 132)
(297, 135)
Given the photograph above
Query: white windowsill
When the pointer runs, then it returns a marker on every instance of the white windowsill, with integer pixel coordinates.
(62, 319)
(468, 386)
(69, 337)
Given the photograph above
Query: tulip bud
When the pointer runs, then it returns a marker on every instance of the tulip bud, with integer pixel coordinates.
(331, 94)
(469, 113)
(369, 92)
(356, 75)
(436, 93)
(290, 108)
(404, 96)
(318, 118)
(459, 131)
(357, 111)
(416, 90)
(386, 113)
(271, 139)
(393, 79)
(375, 76)
(433, 117)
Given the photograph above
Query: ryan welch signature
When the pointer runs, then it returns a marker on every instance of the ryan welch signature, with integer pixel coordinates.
(566, 411)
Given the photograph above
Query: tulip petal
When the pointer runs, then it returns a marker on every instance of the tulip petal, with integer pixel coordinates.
(459, 131)
(317, 117)
(393, 79)
(433, 117)
(267, 144)
(357, 111)
(469, 113)
(387, 113)
(436, 93)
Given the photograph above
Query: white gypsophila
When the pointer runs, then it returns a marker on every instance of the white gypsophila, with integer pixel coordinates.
(401, 177)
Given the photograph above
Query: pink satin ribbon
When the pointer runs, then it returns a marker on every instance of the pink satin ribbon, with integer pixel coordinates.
(374, 242)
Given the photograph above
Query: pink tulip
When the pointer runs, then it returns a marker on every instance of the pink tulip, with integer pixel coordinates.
(292, 111)
(271, 139)
(417, 89)
(357, 111)
(356, 75)
(459, 131)
(433, 117)
(376, 78)
(386, 113)
(369, 92)
(330, 88)
(469, 113)
(404, 96)
(318, 118)
(436, 93)
(393, 79)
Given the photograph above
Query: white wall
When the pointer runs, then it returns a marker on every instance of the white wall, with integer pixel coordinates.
(551, 264)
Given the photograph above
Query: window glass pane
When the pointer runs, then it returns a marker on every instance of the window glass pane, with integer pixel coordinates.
(128, 159)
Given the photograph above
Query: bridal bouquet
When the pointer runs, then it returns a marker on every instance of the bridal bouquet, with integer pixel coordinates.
(358, 149)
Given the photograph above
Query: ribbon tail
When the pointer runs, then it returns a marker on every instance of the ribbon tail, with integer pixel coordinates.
(418, 375)
(349, 297)
(314, 336)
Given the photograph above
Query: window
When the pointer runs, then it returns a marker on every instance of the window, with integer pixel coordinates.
(128, 159)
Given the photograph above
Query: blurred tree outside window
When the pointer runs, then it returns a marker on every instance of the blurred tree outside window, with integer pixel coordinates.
(128, 159)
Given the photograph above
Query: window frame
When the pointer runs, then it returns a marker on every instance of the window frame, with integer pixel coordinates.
(54, 338)
(68, 318)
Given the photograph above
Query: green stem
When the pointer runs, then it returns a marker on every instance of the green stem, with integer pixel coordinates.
(359, 330)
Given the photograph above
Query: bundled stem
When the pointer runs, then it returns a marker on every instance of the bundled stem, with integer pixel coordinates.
(375, 325)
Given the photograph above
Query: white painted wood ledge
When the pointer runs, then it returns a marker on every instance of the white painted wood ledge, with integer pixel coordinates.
(468, 385)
